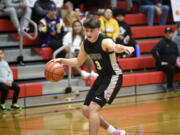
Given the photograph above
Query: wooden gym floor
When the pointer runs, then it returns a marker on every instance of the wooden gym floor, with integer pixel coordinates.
(156, 114)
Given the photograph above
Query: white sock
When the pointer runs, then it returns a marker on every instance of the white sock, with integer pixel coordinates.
(111, 129)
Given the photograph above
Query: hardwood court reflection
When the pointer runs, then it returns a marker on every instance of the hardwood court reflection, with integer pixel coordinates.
(157, 114)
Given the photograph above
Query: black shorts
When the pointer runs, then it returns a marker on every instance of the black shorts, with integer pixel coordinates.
(104, 90)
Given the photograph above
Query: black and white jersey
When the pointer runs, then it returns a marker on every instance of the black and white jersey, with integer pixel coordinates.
(105, 62)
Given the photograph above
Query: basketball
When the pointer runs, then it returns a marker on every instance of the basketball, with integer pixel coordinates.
(54, 71)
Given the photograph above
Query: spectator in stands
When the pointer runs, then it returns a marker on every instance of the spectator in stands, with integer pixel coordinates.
(7, 83)
(74, 39)
(125, 36)
(70, 16)
(165, 53)
(151, 7)
(51, 30)
(40, 9)
(109, 26)
(16, 9)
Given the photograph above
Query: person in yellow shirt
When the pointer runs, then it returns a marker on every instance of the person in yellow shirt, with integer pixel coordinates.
(109, 26)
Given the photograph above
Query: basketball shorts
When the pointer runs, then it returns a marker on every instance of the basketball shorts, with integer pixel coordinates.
(104, 90)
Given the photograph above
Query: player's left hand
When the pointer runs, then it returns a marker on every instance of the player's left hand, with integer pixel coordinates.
(129, 50)
(59, 60)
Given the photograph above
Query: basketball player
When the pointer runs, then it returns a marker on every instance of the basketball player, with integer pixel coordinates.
(102, 51)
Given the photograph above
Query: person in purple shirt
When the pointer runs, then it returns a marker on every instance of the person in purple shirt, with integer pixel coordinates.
(151, 7)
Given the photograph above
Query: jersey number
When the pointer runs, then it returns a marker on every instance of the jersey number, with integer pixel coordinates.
(98, 65)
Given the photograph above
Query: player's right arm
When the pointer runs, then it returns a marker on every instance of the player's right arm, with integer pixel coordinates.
(74, 61)
(108, 45)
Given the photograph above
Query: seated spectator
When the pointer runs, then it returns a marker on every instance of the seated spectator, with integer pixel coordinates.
(70, 15)
(51, 30)
(109, 26)
(40, 9)
(74, 39)
(165, 53)
(151, 7)
(125, 36)
(16, 9)
(6, 84)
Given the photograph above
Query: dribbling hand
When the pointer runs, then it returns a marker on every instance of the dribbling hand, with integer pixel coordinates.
(59, 60)
(129, 50)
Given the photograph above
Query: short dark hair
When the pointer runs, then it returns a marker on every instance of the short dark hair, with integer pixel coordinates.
(119, 11)
(92, 23)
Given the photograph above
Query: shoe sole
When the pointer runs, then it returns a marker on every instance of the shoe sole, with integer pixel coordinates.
(123, 132)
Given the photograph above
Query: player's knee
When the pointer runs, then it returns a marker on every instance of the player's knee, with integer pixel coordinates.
(92, 110)
(85, 111)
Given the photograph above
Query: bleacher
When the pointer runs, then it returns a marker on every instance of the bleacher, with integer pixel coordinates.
(140, 75)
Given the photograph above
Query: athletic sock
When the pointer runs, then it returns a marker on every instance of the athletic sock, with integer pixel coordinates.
(111, 129)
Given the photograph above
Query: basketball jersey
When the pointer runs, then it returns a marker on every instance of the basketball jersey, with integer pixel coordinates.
(105, 62)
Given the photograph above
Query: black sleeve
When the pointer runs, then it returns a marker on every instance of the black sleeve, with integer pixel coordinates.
(129, 31)
(156, 52)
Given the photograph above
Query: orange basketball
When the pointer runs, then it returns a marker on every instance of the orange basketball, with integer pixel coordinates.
(54, 71)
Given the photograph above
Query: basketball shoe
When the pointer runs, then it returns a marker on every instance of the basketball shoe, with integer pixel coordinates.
(119, 132)
(15, 107)
(2, 107)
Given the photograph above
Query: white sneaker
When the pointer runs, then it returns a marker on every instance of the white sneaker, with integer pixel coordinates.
(93, 74)
(84, 74)
(119, 132)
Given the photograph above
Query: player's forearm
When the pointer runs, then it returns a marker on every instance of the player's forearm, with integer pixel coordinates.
(71, 62)
(119, 48)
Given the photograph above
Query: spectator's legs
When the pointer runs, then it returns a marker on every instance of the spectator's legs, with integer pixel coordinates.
(4, 92)
(169, 70)
(24, 13)
(150, 10)
(165, 11)
(16, 89)
(13, 16)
